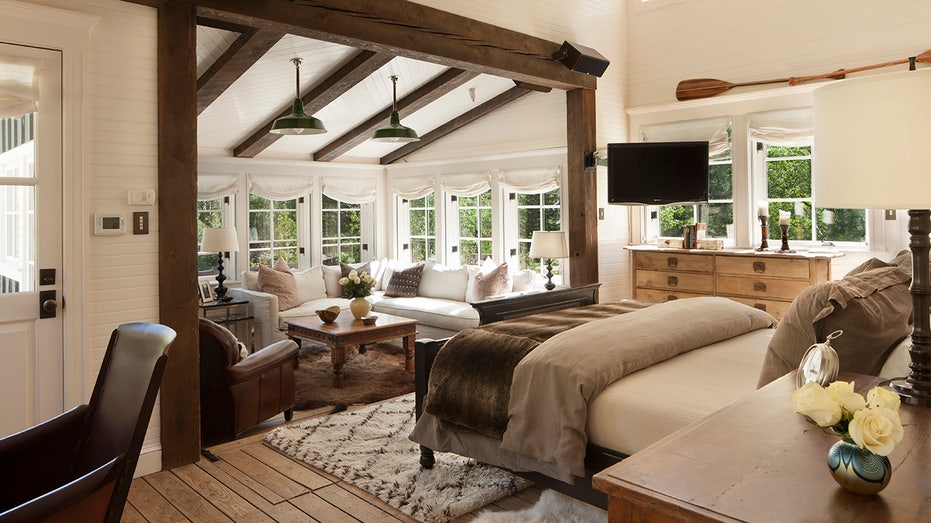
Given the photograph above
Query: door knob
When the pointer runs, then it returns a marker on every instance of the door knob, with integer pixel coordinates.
(49, 305)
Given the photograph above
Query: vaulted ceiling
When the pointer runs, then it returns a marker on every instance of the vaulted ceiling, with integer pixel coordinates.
(246, 80)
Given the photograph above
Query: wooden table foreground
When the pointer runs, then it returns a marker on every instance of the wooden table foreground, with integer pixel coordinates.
(754, 461)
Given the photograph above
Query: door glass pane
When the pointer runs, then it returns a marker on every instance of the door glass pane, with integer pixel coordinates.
(17, 205)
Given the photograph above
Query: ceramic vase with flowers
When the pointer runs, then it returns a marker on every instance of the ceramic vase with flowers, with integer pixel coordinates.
(357, 286)
(869, 429)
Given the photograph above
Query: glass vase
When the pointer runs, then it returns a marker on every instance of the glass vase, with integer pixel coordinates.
(360, 307)
(858, 470)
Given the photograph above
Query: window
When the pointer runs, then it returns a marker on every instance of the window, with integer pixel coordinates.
(475, 228)
(209, 215)
(789, 188)
(272, 231)
(536, 212)
(342, 232)
(422, 213)
(717, 214)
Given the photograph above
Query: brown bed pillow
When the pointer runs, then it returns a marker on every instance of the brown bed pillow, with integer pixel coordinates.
(281, 283)
(404, 283)
(873, 308)
(496, 281)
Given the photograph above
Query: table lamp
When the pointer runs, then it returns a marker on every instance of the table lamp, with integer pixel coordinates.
(871, 151)
(220, 240)
(549, 245)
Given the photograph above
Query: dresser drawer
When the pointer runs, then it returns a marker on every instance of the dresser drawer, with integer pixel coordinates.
(764, 266)
(675, 280)
(772, 288)
(674, 261)
(661, 295)
(776, 308)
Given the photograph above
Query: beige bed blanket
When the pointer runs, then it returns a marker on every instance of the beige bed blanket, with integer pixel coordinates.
(554, 383)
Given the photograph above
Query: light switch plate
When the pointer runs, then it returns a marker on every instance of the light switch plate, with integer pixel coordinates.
(141, 196)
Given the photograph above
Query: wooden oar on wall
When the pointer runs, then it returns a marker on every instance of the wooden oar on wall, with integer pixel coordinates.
(707, 87)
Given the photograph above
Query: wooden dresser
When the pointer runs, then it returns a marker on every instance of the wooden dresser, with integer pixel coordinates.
(766, 280)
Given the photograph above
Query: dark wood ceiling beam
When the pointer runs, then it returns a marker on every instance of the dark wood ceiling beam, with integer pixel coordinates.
(424, 95)
(456, 123)
(410, 30)
(242, 54)
(357, 69)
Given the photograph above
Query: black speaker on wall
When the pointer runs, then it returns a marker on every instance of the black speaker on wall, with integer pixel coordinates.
(582, 59)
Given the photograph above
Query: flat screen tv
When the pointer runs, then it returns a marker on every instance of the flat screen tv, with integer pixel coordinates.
(657, 173)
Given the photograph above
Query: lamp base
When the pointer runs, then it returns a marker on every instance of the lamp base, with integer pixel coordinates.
(549, 276)
(220, 288)
(907, 392)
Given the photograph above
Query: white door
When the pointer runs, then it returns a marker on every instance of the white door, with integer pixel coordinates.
(31, 344)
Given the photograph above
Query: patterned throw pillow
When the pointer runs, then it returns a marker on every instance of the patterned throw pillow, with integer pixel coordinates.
(404, 283)
(281, 284)
(344, 269)
(498, 281)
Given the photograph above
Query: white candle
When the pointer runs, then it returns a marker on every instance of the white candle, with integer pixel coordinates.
(762, 208)
(784, 217)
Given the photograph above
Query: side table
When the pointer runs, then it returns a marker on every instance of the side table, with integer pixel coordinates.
(234, 315)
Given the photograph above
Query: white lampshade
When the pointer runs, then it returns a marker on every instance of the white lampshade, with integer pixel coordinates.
(873, 142)
(548, 244)
(221, 239)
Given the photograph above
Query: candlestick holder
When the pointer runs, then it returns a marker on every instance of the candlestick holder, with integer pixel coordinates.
(785, 238)
(764, 245)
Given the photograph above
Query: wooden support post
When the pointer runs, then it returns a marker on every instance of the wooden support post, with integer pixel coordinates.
(581, 190)
(177, 234)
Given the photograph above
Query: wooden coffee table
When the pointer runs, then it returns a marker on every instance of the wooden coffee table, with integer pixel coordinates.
(347, 331)
(757, 460)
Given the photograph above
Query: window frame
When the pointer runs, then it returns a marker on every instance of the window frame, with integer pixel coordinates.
(513, 241)
(227, 219)
(299, 210)
(339, 210)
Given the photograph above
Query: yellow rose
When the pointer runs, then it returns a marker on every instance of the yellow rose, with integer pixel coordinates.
(355, 279)
(880, 397)
(813, 401)
(842, 392)
(877, 429)
(353, 274)
(343, 281)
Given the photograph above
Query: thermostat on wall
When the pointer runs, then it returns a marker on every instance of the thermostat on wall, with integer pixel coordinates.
(109, 224)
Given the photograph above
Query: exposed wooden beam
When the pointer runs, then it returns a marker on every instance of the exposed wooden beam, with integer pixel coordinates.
(410, 30)
(416, 100)
(456, 123)
(177, 231)
(357, 69)
(582, 188)
(236, 60)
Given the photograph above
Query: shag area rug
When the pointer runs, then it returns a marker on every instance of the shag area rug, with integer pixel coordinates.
(369, 448)
(552, 507)
(376, 375)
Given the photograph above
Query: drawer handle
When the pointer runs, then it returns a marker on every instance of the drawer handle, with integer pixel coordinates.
(759, 266)
(671, 297)
(672, 281)
(761, 306)
(759, 286)
(672, 262)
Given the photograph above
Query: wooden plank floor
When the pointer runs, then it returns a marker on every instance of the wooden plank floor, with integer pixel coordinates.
(253, 483)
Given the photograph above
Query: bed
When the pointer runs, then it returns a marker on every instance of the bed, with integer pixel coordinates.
(658, 397)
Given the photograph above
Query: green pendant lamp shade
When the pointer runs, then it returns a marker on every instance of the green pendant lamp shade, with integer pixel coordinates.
(395, 132)
(297, 122)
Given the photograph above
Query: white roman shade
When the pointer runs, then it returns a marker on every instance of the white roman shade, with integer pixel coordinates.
(538, 180)
(788, 128)
(19, 85)
(466, 184)
(349, 190)
(712, 130)
(413, 187)
(212, 186)
(277, 187)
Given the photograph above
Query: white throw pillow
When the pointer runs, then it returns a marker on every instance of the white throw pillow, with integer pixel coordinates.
(331, 276)
(310, 284)
(523, 280)
(439, 281)
(250, 280)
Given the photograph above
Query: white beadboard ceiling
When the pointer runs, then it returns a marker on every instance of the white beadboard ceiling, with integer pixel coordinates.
(267, 88)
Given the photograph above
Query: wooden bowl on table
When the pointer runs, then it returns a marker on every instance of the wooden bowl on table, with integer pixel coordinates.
(328, 315)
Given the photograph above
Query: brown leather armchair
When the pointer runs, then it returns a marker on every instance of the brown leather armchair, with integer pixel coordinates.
(238, 393)
(78, 466)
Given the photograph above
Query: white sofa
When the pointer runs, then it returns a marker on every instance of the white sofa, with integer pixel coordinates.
(441, 307)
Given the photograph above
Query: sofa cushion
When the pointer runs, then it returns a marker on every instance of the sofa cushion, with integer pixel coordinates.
(436, 312)
(439, 281)
(281, 284)
(873, 308)
(497, 281)
(331, 276)
(250, 279)
(310, 283)
(404, 283)
(524, 280)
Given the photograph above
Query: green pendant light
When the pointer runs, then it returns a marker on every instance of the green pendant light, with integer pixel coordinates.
(395, 132)
(297, 122)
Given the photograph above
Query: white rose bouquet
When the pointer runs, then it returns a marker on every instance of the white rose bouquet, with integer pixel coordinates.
(872, 423)
(357, 285)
